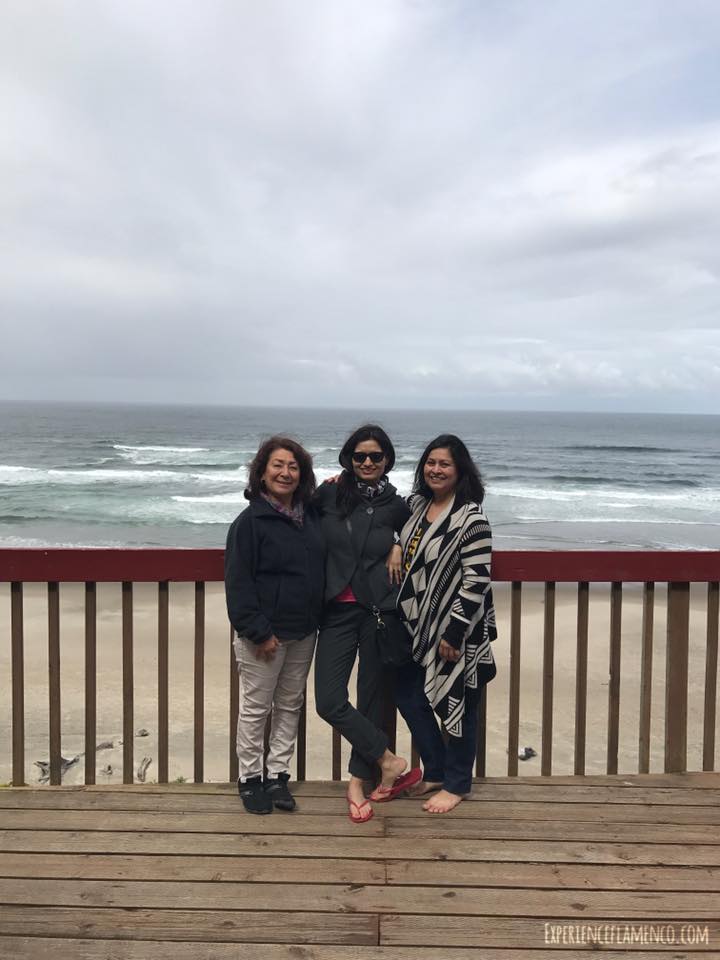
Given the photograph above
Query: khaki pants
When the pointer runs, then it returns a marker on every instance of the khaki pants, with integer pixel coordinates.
(277, 686)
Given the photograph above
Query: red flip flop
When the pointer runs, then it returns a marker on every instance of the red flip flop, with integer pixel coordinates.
(355, 811)
(406, 780)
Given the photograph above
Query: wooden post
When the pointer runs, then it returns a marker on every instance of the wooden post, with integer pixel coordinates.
(646, 678)
(302, 740)
(199, 684)
(162, 680)
(676, 677)
(613, 733)
(127, 681)
(17, 657)
(711, 668)
(481, 747)
(54, 682)
(90, 680)
(581, 666)
(234, 710)
(514, 691)
(548, 677)
(336, 755)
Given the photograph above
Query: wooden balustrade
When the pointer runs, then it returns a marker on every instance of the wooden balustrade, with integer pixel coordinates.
(130, 566)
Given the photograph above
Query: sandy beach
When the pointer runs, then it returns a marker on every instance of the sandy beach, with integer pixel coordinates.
(109, 724)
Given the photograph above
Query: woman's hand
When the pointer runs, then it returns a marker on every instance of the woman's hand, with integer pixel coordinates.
(448, 652)
(266, 650)
(393, 564)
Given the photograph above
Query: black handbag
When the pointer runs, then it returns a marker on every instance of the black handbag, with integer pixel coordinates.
(393, 639)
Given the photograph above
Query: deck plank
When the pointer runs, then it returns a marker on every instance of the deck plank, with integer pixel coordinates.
(354, 899)
(639, 811)
(392, 825)
(588, 876)
(443, 931)
(359, 847)
(141, 821)
(203, 926)
(100, 866)
(551, 830)
(345, 871)
(46, 948)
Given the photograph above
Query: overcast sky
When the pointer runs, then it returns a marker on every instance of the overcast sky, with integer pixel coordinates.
(385, 202)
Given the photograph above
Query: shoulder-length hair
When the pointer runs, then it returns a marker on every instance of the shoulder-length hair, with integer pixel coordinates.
(470, 487)
(347, 497)
(258, 466)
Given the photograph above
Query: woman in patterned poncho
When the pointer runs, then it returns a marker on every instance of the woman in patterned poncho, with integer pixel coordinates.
(446, 602)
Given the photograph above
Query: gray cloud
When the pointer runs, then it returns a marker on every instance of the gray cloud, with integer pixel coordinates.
(416, 203)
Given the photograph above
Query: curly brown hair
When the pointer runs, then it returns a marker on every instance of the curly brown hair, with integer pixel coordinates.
(306, 486)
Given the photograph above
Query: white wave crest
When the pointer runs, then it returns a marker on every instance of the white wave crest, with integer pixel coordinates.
(187, 510)
(14, 476)
(238, 476)
(617, 497)
(138, 477)
(20, 476)
(178, 456)
(162, 449)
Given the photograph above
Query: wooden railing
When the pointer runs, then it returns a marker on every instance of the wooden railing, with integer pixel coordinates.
(131, 566)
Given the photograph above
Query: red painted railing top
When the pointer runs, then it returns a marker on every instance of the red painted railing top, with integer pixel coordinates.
(105, 565)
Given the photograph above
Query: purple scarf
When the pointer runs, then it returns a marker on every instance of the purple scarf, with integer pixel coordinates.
(296, 513)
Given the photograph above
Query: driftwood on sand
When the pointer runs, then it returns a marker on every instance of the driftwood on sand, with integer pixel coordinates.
(108, 770)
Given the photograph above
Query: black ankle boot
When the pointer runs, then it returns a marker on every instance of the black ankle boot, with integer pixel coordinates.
(252, 793)
(276, 789)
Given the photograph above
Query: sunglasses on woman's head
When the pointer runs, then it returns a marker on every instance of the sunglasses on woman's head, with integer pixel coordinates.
(375, 455)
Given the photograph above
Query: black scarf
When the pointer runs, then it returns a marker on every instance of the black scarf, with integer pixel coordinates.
(369, 490)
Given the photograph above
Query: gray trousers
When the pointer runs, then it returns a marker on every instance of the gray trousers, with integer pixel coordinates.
(277, 686)
(347, 632)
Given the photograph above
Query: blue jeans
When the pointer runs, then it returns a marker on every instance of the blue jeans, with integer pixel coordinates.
(451, 764)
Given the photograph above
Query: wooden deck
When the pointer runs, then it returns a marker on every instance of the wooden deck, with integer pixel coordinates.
(525, 868)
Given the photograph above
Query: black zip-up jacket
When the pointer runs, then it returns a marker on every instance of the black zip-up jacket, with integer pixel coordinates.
(370, 537)
(274, 574)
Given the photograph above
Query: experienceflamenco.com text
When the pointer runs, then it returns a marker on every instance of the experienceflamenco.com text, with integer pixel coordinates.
(626, 934)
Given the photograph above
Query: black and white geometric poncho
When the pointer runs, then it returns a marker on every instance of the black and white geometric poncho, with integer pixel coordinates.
(446, 594)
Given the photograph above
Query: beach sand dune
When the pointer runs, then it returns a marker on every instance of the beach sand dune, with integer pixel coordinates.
(217, 683)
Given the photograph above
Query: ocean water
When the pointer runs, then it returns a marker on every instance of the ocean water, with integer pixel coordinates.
(174, 476)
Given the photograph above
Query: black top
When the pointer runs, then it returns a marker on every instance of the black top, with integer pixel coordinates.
(274, 574)
(369, 535)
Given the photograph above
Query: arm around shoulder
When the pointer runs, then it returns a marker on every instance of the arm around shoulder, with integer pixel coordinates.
(324, 496)
(401, 513)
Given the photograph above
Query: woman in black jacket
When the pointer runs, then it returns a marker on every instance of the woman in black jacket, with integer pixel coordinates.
(274, 575)
(362, 515)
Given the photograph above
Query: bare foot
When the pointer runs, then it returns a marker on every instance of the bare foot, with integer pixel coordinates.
(425, 786)
(442, 802)
(390, 767)
(355, 791)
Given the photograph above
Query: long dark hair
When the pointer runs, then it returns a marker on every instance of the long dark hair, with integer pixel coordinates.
(347, 496)
(470, 488)
(306, 486)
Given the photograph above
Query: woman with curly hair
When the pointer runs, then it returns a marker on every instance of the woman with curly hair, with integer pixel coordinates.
(274, 576)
